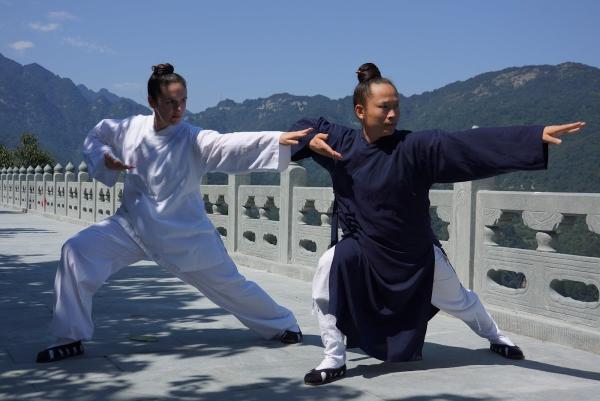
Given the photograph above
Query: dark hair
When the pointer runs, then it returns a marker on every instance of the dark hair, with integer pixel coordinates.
(162, 75)
(368, 74)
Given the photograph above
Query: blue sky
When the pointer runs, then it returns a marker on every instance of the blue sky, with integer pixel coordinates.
(248, 49)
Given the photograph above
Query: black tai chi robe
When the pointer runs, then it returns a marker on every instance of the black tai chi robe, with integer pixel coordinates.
(381, 277)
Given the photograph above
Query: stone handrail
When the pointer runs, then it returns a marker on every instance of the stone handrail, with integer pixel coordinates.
(538, 292)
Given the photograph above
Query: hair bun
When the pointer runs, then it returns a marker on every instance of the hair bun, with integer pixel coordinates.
(163, 69)
(367, 71)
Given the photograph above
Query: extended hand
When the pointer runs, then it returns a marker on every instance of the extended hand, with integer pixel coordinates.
(115, 164)
(318, 145)
(291, 138)
(552, 133)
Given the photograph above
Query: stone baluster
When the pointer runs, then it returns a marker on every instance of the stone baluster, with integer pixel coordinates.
(261, 205)
(545, 223)
(325, 209)
(491, 220)
(593, 222)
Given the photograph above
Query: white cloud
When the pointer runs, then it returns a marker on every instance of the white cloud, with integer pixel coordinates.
(44, 27)
(21, 45)
(62, 16)
(89, 46)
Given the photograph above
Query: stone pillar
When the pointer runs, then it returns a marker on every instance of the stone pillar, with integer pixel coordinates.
(462, 228)
(58, 177)
(29, 189)
(14, 193)
(38, 187)
(233, 183)
(9, 185)
(82, 176)
(293, 176)
(48, 200)
(69, 177)
(2, 185)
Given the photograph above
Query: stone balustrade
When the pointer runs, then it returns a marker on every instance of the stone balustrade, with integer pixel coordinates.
(538, 292)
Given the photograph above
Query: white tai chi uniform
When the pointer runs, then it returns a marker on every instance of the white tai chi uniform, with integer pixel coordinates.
(448, 295)
(162, 218)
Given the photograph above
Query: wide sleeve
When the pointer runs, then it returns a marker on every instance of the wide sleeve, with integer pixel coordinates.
(321, 125)
(444, 157)
(100, 140)
(241, 152)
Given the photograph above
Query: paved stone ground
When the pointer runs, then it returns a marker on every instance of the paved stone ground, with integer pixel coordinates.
(202, 353)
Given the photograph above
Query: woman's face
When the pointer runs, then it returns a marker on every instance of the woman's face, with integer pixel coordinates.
(169, 107)
(381, 111)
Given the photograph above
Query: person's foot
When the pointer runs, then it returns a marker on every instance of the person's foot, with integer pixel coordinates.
(291, 337)
(507, 351)
(317, 377)
(59, 352)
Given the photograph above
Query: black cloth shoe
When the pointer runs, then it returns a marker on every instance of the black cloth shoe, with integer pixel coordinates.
(507, 351)
(317, 377)
(291, 337)
(60, 352)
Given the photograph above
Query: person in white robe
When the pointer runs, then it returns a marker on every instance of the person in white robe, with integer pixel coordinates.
(162, 216)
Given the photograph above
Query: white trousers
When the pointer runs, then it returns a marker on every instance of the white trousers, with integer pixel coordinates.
(91, 256)
(448, 295)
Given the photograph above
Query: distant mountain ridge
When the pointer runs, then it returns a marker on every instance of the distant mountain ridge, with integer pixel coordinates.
(60, 113)
(529, 95)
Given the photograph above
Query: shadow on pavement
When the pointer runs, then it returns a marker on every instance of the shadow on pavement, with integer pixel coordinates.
(439, 356)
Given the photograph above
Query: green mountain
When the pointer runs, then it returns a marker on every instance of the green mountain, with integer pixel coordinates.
(513, 96)
(59, 113)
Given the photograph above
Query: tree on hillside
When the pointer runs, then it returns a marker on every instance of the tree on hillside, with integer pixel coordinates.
(28, 152)
(6, 157)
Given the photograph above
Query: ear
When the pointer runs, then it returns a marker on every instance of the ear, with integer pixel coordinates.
(359, 110)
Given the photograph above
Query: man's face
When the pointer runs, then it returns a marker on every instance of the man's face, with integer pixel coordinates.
(381, 112)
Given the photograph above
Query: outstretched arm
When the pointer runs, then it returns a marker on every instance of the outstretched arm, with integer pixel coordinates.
(242, 152)
(484, 152)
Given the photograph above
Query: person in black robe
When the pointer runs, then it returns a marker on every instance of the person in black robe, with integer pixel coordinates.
(382, 282)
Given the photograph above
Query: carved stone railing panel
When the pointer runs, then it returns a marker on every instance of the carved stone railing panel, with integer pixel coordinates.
(259, 228)
(105, 201)
(549, 284)
(73, 201)
(311, 224)
(88, 201)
